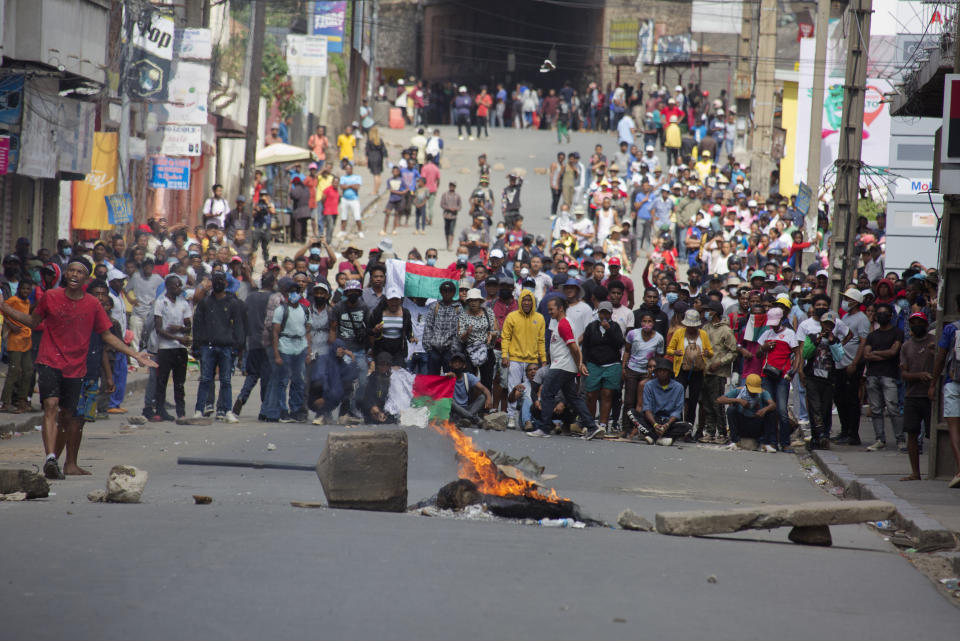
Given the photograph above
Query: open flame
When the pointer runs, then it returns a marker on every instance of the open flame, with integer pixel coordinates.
(477, 467)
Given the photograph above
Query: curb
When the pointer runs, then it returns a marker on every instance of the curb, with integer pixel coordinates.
(931, 535)
(26, 425)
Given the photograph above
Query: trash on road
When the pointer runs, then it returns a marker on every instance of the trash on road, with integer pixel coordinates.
(271, 447)
(200, 499)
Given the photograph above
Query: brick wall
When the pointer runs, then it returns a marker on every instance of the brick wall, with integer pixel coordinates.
(397, 36)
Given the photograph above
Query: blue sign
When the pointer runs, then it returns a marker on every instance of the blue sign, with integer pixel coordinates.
(328, 20)
(119, 209)
(804, 195)
(170, 173)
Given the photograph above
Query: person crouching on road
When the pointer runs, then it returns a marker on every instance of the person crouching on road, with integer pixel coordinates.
(661, 421)
(464, 408)
(749, 408)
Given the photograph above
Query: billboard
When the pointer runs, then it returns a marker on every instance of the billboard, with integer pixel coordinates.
(328, 19)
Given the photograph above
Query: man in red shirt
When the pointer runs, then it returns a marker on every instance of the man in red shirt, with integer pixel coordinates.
(69, 316)
(614, 266)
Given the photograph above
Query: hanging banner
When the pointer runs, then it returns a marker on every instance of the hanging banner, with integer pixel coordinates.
(170, 173)
(328, 20)
(89, 195)
(4, 154)
(11, 110)
(307, 55)
(119, 209)
(152, 53)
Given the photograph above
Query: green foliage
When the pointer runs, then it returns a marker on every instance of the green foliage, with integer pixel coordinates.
(277, 86)
(870, 208)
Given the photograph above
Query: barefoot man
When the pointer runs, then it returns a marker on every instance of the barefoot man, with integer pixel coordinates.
(69, 316)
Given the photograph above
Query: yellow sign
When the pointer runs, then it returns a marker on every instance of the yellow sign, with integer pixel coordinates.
(89, 204)
(623, 37)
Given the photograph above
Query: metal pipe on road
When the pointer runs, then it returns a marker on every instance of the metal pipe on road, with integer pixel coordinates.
(233, 462)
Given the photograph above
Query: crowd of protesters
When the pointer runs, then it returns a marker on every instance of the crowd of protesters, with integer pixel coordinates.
(728, 336)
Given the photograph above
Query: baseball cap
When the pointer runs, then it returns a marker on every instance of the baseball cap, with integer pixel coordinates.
(352, 285)
(393, 292)
(854, 294)
(496, 253)
(605, 306)
(614, 261)
(754, 383)
(919, 315)
(758, 274)
(315, 251)
(650, 148)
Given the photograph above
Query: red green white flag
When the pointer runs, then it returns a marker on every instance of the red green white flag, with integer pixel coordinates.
(435, 393)
(417, 281)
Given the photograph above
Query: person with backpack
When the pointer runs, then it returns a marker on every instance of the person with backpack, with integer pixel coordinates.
(290, 347)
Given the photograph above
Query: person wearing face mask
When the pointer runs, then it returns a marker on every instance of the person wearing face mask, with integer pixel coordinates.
(521, 343)
(348, 323)
(917, 360)
(644, 345)
(11, 275)
(821, 352)
(430, 257)
(440, 329)
(218, 334)
(781, 360)
(846, 395)
(651, 305)
(391, 327)
(718, 372)
(467, 411)
(290, 350)
(881, 351)
(321, 258)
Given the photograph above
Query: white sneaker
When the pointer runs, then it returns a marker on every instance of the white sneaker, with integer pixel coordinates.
(511, 423)
(230, 417)
(359, 234)
(459, 137)
(666, 441)
(732, 446)
(876, 447)
(769, 449)
(318, 421)
(472, 138)
(197, 414)
(538, 434)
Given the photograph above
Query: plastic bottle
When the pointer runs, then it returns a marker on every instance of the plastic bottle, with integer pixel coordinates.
(556, 522)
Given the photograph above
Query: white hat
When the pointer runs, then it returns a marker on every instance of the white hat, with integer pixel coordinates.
(650, 148)
(738, 188)
(678, 88)
(716, 208)
(463, 89)
(671, 101)
(496, 253)
(474, 294)
(115, 274)
(824, 273)
(393, 292)
(854, 294)
(691, 318)
(751, 203)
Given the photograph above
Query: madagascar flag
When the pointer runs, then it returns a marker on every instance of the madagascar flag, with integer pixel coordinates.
(435, 392)
(417, 281)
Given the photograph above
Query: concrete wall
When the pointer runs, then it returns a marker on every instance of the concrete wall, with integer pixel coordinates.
(397, 36)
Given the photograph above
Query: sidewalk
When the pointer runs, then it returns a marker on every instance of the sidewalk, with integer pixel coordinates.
(928, 509)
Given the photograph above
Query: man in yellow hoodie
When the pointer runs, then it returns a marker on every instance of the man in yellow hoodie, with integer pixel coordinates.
(522, 343)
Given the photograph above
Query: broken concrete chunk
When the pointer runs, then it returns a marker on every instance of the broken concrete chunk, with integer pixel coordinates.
(495, 421)
(32, 484)
(365, 470)
(14, 496)
(628, 520)
(125, 484)
(97, 496)
(765, 517)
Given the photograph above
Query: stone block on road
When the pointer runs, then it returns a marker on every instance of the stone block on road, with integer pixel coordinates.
(26, 481)
(365, 470)
(629, 520)
(765, 517)
(125, 484)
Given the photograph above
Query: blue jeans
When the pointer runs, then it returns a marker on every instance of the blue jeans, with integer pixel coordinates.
(420, 222)
(290, 373)
(779, 389)
(526, 406)
(563, 382)
(417, 363)
(212, 357)
(119, 380)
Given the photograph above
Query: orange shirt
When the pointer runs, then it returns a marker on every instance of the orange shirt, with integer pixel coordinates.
(18, 341)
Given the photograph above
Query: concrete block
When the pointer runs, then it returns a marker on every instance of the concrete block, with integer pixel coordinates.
(365, 470)
(26, 481)
(765, 517)
(628, 520)
(125, 484)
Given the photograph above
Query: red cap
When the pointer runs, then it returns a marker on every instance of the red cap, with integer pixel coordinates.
(902, 293)
(614, 261)
(919, 315)
(145, 228)
(236, 259)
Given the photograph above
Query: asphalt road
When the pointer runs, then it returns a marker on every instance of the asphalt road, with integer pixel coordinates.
(250, 566)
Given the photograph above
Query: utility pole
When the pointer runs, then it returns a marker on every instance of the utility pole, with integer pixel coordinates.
(816, 121)
(254, 76)
(762, 159)
(743, 85)
(123, 138)
(843, 261)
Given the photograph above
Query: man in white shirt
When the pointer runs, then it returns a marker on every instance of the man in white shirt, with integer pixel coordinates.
(216, 207)
(578, 312)
(172, 318)
(583, 228)
(626, 128)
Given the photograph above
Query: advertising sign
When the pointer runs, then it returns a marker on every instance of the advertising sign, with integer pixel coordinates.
(307, 55)
(119, 209)
(170, 173)
(328, 20)
(175, 140)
